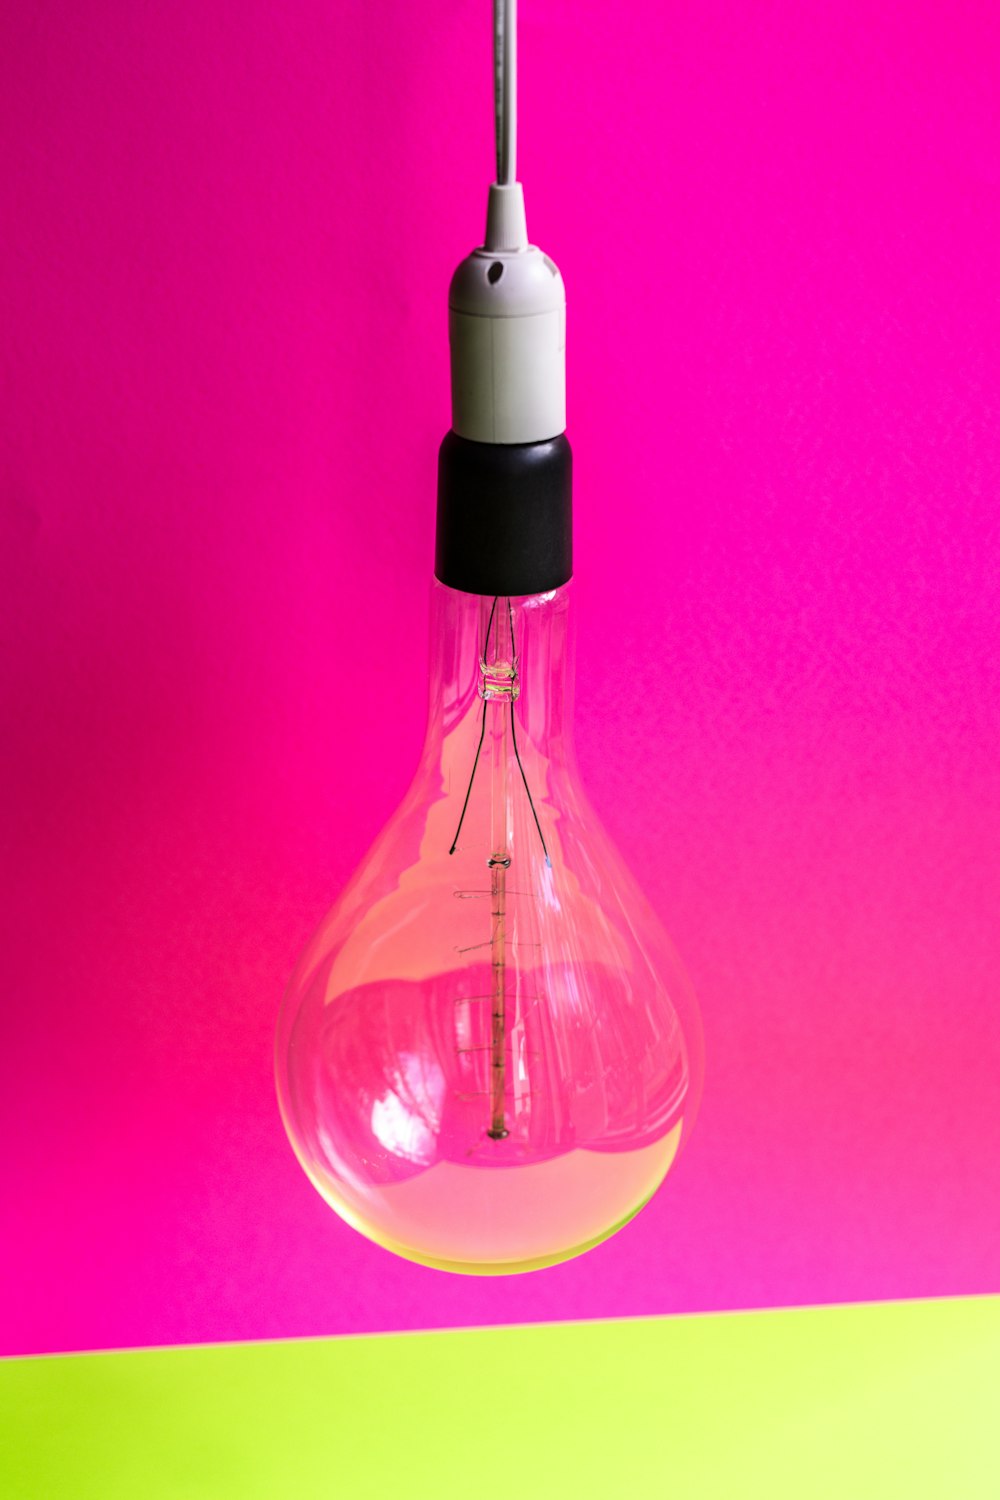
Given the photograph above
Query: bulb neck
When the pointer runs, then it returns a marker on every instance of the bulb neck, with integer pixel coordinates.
(471, 661)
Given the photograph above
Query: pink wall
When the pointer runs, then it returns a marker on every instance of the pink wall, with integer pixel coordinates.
(229, 231)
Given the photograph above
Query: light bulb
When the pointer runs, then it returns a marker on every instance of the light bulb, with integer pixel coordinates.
(489, 1056)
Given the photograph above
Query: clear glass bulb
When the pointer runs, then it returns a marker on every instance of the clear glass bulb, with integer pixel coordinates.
(488, 1056)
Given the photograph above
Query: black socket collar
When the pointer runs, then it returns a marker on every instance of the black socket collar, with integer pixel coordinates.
(504, 516)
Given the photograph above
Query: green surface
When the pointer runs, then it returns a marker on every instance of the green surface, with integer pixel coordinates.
(888, 1400)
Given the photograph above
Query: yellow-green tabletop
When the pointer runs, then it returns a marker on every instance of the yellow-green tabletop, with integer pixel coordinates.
(892, 1401)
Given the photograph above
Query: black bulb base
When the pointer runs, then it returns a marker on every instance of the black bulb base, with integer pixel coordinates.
(504, 516)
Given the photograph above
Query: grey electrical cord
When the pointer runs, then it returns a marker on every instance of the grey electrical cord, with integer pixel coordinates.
(505, 92)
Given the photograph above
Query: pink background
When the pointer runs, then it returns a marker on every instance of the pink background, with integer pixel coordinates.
(228, 236)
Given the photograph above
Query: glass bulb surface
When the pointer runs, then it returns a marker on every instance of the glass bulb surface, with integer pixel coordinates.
(488, 1055)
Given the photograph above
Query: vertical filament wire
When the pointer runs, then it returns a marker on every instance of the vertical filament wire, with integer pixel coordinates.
(500, 685)
(499, 865)
(499, 681)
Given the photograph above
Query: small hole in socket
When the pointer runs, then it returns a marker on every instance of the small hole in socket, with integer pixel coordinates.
(494, 273)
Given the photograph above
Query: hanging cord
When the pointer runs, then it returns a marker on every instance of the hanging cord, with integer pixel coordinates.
(505, 82)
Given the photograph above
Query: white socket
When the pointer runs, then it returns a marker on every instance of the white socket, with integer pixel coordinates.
(507, 330)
